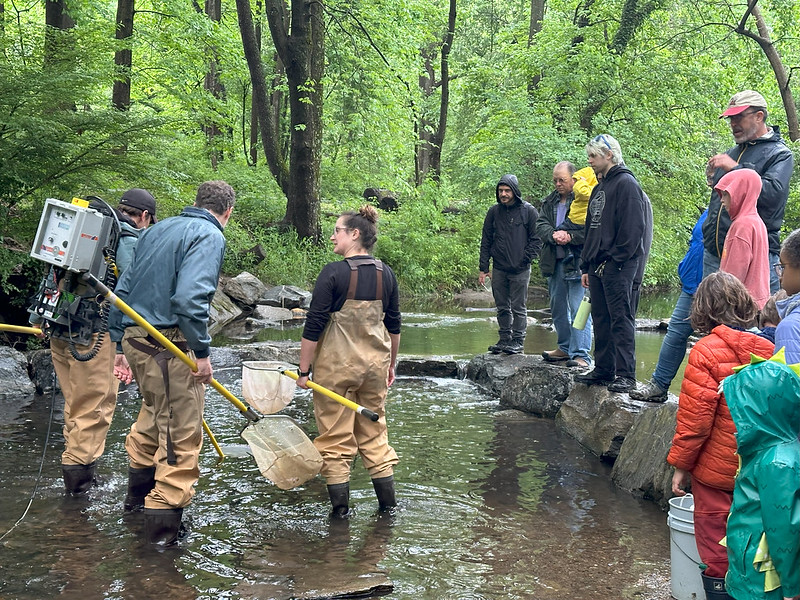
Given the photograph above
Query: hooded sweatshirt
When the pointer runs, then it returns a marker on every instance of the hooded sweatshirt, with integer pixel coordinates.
(763, 531)
(746, 251)
(509, 232)
(616, 222)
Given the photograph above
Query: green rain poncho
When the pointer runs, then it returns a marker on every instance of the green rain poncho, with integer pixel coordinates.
(763, 534)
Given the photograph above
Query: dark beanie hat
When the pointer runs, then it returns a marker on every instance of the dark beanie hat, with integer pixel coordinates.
(140, 199)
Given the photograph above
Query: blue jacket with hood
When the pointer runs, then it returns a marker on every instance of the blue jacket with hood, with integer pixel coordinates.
(509, 232)
(787, 334)
(173, 277)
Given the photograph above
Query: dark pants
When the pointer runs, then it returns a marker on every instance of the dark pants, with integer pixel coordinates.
(510, 291)
(613, 319)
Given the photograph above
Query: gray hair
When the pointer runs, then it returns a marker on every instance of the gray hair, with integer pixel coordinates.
(216, 196)
(603, 143)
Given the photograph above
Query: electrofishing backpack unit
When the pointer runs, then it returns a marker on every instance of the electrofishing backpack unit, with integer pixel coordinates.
(75, 239)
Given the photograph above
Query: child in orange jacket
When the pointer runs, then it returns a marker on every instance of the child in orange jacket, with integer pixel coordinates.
(704, 446)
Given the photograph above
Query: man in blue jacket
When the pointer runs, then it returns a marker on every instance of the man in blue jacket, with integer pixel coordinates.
(509, 240)
(610, 261)
(171, 282)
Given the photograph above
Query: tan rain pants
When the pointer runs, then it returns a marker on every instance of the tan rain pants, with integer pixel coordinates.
(90, 396)
(352, 359)
(181, 414)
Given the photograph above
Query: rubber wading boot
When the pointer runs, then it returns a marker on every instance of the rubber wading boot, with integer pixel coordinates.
(78, 478)
(340, 500)
(714, 587)
(140, 482)
(162, 526)
(384, 490)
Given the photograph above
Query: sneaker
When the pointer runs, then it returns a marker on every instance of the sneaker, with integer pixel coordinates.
(556, 355)
(651, 392)
(622, 384)
(577, 362)
(593, 377)
(513, 348)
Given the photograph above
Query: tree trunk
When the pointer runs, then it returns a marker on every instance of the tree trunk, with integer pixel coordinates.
(302, 53)
(121, 93)
(213, 9)
(56, 20)
(276, 160)
(535, 26)
(304, 63)
(431, 134)
(253, 107)
(764, 40)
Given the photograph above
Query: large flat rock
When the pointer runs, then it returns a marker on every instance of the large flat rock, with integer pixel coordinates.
(641, 466)
(600, 420)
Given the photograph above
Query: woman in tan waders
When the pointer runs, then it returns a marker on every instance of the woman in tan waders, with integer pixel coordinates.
(351, 337)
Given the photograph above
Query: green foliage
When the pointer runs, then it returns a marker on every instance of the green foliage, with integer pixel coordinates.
(516, 105)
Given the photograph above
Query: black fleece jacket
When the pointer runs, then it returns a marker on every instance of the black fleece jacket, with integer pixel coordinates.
(509, 233)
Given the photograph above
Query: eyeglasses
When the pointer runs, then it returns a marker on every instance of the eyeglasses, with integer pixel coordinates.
(779, 269)
(741, 115)
(338, 229)
(602, 138)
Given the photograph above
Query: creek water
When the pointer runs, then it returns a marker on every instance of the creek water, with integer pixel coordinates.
(493, 504)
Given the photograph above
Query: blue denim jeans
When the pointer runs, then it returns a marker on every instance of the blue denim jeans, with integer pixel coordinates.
(565, 298)
(711, 264)
(673, 348)
(510, 291)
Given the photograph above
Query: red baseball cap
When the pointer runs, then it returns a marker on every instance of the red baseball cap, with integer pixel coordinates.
(742, 101)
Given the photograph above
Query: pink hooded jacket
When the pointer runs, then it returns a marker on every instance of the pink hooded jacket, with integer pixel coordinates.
(746, 251)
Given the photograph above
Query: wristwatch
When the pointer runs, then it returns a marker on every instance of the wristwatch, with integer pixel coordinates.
(304, 373)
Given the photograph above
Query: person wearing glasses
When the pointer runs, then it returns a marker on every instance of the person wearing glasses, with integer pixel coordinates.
(758, 147)
(351, 337)
(562, 241)
(613, 248)
(510, 242)
(787, 334)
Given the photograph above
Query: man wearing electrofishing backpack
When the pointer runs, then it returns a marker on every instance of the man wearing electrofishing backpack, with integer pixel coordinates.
(170, 283)
(85, 366)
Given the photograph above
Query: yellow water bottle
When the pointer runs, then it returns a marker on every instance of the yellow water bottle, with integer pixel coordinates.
(584, 310)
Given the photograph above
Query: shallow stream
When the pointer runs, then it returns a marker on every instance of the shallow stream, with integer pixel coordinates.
(493, 505)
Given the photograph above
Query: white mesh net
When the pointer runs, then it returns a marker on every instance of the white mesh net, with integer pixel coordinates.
(284, 453)
(264, 387)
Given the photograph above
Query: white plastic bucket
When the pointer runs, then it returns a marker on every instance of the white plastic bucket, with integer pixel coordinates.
(685, 580)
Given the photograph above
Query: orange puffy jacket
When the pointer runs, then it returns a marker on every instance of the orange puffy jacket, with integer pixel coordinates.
(705, 442)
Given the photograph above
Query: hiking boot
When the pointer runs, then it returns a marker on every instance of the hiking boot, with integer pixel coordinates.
(514, 348)
(556, 355)
(622, 385)
(651, 392)
(499, 346)
(593, 377)
(578, 362)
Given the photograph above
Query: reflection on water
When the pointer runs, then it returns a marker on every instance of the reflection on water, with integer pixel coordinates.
(492, 505)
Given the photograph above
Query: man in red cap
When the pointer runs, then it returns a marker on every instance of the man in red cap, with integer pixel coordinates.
(758, 147)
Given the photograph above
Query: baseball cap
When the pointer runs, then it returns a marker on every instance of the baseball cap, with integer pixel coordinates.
(742, 101)
(141, 200)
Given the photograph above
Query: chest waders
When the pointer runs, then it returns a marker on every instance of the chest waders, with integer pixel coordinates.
(162, 356)
(353, 358)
